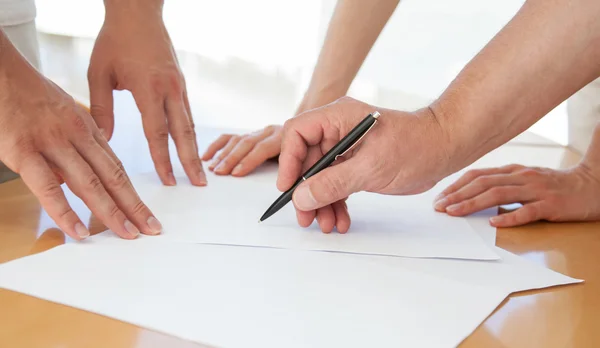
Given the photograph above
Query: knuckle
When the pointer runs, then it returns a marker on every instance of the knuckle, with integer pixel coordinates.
(473, 173)
(534, 212)
(187, 133)
(175, 80)
(118, 178)
(335, 185)
(114, 211)
(529, 173)
(98, 110)
(247, 141)
(65, 213)
(497, 193)
(469, 204)
(139, 207)
(514, 166)
(481, 181)
(51, 190)
(261, 147)
(194, 162)
(159, 135)
(79, 125)
(94, 183)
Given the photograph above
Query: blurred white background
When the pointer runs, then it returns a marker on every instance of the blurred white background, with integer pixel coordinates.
(247, 63)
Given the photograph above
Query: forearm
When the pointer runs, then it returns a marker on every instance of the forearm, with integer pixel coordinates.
(128, 8)
(353, 30)
(547, 52)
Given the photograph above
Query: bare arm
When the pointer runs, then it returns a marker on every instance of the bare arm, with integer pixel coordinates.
(547, 52)
(353, 30)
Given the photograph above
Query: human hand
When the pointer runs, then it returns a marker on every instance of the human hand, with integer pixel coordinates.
(134, 52)
(240, 155)
(47, 138)
(546, 194)
(405, 153)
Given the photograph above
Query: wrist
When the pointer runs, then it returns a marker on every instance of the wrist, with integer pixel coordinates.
(118, 10)
(319, 96)
(591, 159)
(445, 152)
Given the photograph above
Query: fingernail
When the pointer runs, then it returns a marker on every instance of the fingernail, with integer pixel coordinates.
(237, 170)
(214, 163)
(438, 197)
(453, 208)
(155, 225)
(219, 168)
(81, 231)
(304, 199)
(202, 177)
(494, 220)
(440, 205)
(171, 179)
(131, 229)
(103, 132)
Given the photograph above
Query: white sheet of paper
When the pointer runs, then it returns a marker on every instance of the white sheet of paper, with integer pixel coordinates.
(232, 296)
(227, 211)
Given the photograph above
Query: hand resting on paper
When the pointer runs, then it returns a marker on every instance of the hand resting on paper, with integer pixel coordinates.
(49, 139)
(404, 153)
(134, 52)
(240, 155)
(546, 194)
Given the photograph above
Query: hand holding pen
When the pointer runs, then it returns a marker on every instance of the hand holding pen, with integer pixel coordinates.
(390, 159)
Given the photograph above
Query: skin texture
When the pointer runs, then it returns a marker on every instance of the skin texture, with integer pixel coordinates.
(49, 139)
(548, 51)
(134, 52)
(545, 194)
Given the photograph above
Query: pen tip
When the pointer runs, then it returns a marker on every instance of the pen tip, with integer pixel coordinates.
(259, 221)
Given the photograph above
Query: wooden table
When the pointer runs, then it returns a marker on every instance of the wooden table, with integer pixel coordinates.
(559, 317)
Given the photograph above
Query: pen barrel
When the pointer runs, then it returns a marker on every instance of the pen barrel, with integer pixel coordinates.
(341, 147)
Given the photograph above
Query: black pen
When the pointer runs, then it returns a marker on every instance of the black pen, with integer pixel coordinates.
(340, 149)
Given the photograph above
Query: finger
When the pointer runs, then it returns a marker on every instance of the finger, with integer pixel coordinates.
(239, 151)
(478, 186)
(101, 103)
(342, 217)
(157, 134)
(473, 174)
(38, 176)
(326, 218)
(524, 215)
(226, 150)
(262, 152)
(184, 135)
(82, 180)
(305, 218)
(490, 198)
(330, 185)
(116, 182)
(216, 146)
(298, 134)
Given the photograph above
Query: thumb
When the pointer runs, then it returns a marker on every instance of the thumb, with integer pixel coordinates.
(101, 108)
(331, 185)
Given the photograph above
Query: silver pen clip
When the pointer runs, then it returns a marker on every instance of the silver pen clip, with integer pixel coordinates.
(375, 115)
